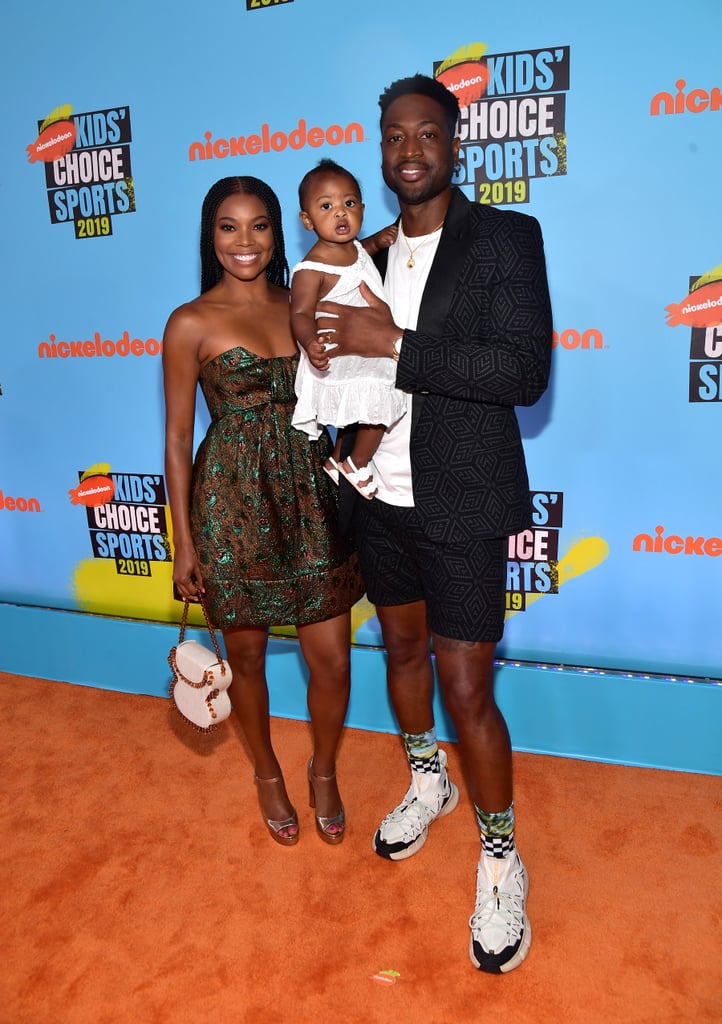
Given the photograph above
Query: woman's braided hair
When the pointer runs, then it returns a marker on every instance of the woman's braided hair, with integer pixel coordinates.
(211, 270)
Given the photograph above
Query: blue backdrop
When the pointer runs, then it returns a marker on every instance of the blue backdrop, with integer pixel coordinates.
(605, 126)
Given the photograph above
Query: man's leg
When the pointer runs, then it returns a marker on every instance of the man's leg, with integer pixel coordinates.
(409, 673)
(411, 682)
(466, 679)
(500, 929)
(387, 538)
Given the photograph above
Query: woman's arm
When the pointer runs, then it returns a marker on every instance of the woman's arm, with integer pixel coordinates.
(181, 367)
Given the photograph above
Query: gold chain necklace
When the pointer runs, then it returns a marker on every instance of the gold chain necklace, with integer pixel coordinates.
(410, 262)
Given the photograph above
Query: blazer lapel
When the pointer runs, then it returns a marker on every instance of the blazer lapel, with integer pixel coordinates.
(440, 284)
(381, 259)
(446, 267)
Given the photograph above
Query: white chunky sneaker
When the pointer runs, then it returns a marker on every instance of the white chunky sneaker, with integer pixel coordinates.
(402, 832)
(500, 930)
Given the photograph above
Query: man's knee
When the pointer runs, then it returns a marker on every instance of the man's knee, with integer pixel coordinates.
(407, 658)
(466, 678)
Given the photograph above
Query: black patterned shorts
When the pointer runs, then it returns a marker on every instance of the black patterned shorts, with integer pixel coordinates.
(462, 584)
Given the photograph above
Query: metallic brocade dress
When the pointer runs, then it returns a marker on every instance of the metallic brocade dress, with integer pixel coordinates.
(263, 511)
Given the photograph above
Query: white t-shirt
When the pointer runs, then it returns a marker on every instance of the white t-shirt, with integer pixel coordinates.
(405, 288)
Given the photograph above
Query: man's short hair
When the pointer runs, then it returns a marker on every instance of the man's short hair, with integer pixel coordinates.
(424, 86)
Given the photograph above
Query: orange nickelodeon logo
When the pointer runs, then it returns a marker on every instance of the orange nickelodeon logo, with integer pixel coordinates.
(464, 75)
(696, 101)
(676, 545)
(56, 137)
(19, 504)
(703, 306)
(572, 339)
(98, 347)
(267, 141)
(95, 489)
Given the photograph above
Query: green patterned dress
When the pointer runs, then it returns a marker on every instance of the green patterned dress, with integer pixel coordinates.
(263, 511)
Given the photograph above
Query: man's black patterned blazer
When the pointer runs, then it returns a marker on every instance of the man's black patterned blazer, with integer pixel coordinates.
(481, 346)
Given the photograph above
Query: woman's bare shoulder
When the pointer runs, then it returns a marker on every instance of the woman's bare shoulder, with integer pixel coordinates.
(190, 312)
(186, 328)
(192, 319)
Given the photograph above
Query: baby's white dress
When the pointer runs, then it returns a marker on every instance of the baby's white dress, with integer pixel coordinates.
(355, 389)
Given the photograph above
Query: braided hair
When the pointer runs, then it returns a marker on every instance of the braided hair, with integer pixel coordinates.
(211, 270)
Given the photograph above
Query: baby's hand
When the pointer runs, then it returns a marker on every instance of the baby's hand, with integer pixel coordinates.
(381, 240)
(317, 351)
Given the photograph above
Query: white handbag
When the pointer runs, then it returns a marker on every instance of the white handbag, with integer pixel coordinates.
(201, 678)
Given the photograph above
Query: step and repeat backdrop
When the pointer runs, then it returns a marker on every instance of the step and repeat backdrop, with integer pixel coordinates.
(607, 127)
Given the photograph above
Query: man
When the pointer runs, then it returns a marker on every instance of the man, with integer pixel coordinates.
(470, 327)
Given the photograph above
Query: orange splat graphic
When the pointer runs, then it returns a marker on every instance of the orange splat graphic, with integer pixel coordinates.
(703, 306)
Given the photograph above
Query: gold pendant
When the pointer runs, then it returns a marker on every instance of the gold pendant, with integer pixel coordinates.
(410, 263)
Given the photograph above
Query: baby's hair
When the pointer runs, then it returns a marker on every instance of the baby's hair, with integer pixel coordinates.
(423, 85)
(211, 270)
(324, 167)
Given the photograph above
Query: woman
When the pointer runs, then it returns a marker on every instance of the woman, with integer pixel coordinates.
(253, 516)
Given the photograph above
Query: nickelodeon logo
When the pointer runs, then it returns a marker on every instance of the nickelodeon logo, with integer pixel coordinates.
(276, 141)
(98, 346)
(572, 339)
(18, 504)
(696, 101)
(676, 545)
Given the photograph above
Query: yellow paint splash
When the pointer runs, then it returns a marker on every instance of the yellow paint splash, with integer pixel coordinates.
(361, 613)
(97, 469)
(99, 589)
(469, 52)
(712, 275)
(583, 556)
(59, 114)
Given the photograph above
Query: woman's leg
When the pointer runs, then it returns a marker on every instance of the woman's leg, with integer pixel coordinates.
(326, 649)
(246, 651)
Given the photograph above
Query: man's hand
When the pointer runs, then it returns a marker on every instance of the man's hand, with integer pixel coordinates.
(359, 330)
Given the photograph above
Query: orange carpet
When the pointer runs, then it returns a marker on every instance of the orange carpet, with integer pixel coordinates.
(140, 885)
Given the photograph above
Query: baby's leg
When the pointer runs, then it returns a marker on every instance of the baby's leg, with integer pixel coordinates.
(337, 446)
(356, 467)
(331, 463)
(368, 438)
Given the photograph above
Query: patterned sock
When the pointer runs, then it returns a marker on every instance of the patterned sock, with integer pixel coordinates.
(497, 831)
(422, 751)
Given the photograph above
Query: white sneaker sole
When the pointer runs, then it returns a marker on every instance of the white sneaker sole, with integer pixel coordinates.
(409, 851)
(518, 958)
(524, 946)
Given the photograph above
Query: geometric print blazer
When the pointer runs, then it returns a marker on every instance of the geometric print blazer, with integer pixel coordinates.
(482, 345)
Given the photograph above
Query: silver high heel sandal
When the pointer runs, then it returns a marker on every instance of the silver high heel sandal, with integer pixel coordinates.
(288, 825)
(331, 830)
